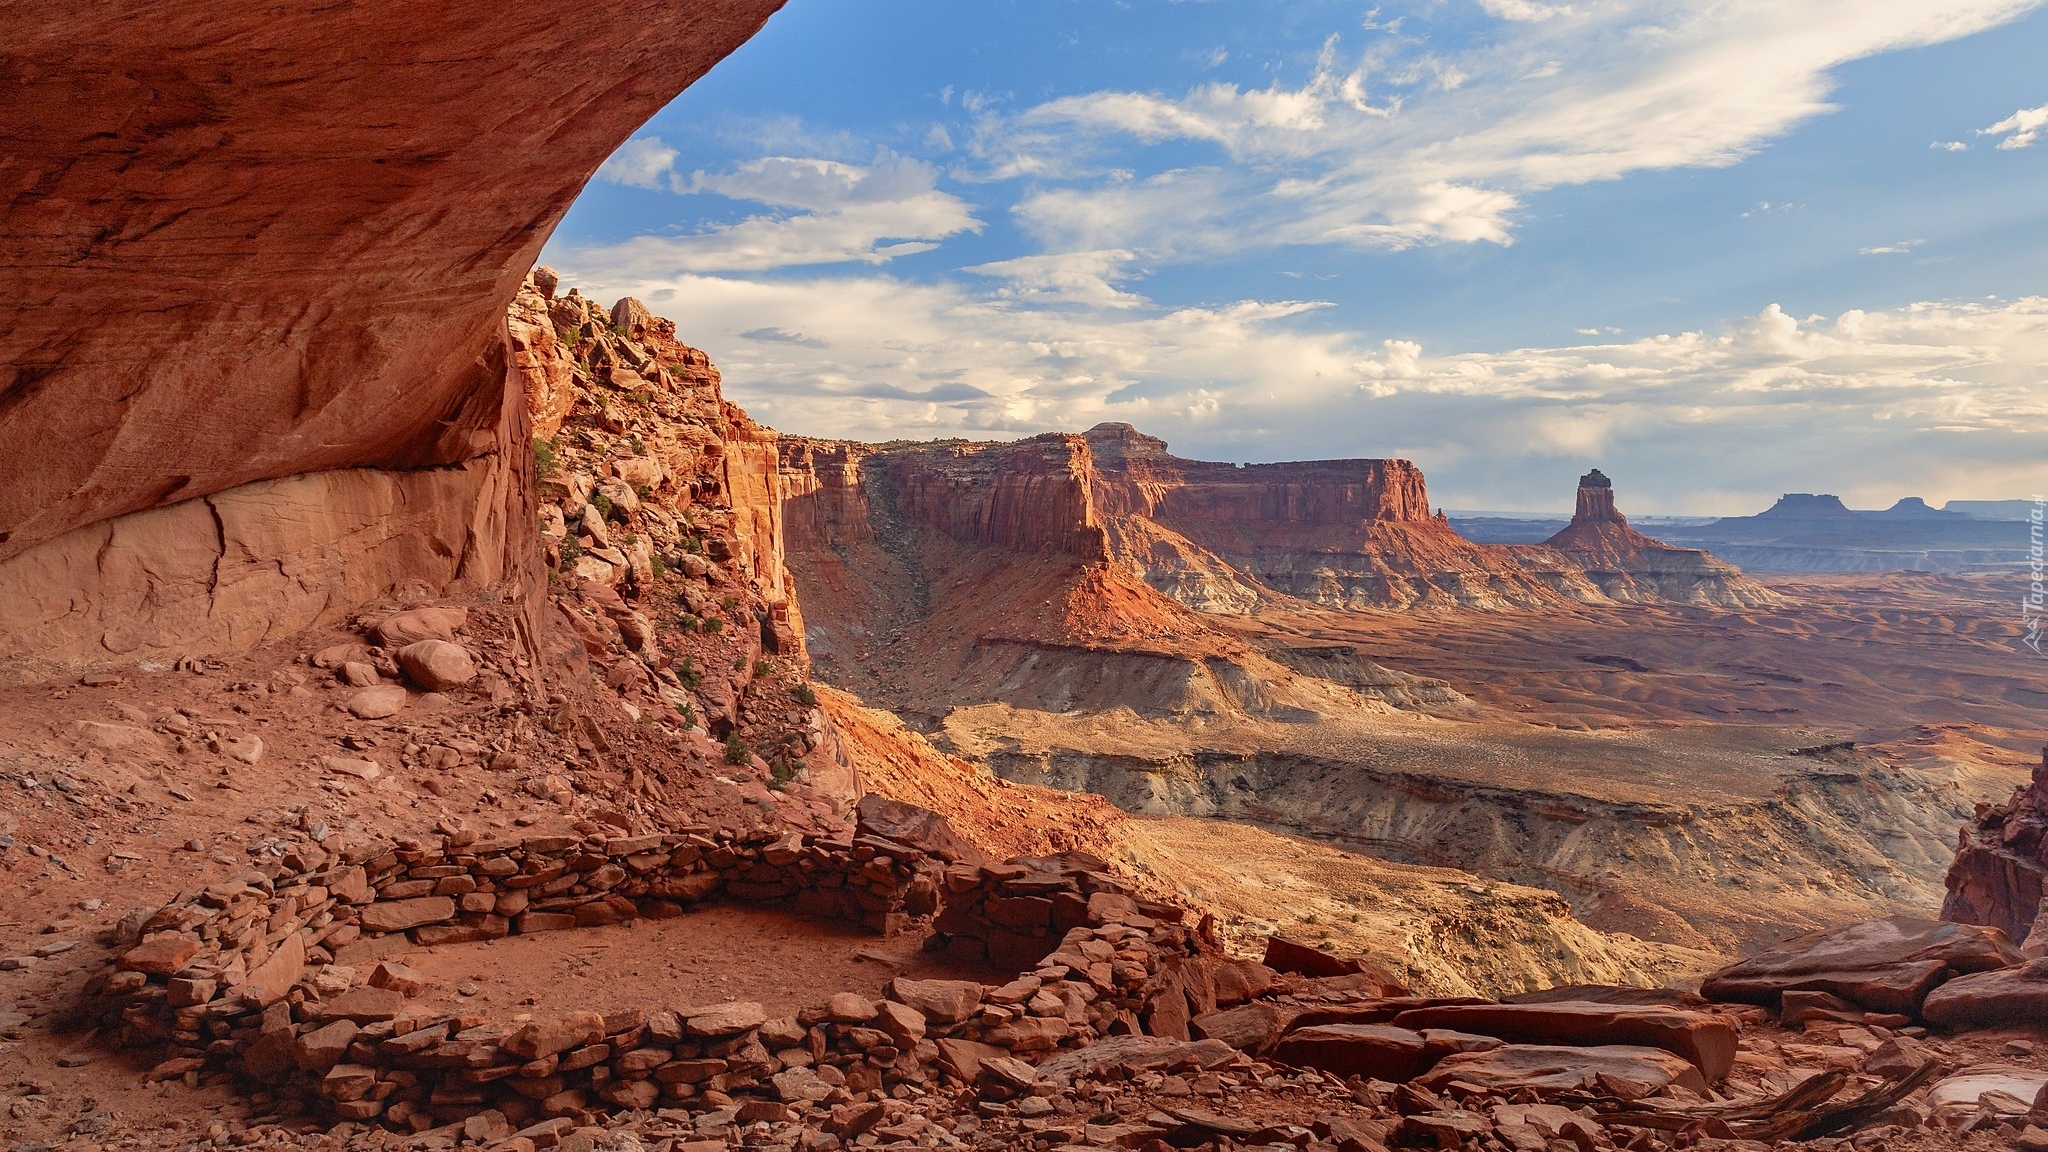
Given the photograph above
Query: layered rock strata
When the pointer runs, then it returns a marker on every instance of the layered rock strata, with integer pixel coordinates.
(253, 383)
(1222, 538)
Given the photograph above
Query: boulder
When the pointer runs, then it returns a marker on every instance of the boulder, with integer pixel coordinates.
(904, 1024)
(915, 827)
(1134, 1054)
(160, 954)
(377, 703)
(364, 1005)
(324, 1047)
(399, 978)
(1237, 981)
(850, 1008)
(623, 499)
(631, 318)
(727, 1019)
(1248, 1027)
(437, 665)
(1374, 1051)
(1031, 1033)
(1005, 1077)
(399, 915)
(116, 737)
(352, 766)
(1705, 1039)
(415, 625)
(963, 1057)
(1884, 965)
(559, 1033)
(940, 1001)
(1549, 1070)
(1285, 955)
(1896, 1058)
(640, 472)
(2006, 996)
(1982, 1084)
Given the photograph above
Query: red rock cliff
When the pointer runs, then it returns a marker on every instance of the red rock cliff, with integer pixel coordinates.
(1138, 477)
(255, 370)
(2000, 873)
(1029, 496)
(827, 506)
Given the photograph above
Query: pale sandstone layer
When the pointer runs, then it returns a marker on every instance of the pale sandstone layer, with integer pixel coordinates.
(265, 263)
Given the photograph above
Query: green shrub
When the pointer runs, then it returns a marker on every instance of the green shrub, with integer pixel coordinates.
(805, 695)
(687, 622)
(693, 546)
(572, 548)
(688, 714)
(714, 625)
(660, 569)
(687, 674)
(602, 503)
(544, 462)
(736, 750)
(763, 667)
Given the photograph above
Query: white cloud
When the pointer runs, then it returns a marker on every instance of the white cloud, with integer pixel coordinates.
(1524, 10)
(1950, 146)
(642, 162)
(827, 212)
(1066, 278)
(1899, 249)
(2021, 129)
(1396, 145)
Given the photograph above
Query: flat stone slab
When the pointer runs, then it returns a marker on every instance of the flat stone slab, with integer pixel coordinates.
(1885, 965)
(399, 915)
(1550, 1070)
(1705, 1039)
(1374, 1051)
(2007, 996)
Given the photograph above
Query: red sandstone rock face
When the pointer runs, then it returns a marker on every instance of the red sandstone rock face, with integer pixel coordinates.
(274, 245)
(825, 504)
(2000, 872)
(1030, 496)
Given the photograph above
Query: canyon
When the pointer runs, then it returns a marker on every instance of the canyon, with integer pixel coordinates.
(434, 714)
(1307, 649)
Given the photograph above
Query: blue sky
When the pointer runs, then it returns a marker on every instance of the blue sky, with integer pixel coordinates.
(1722, 251)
